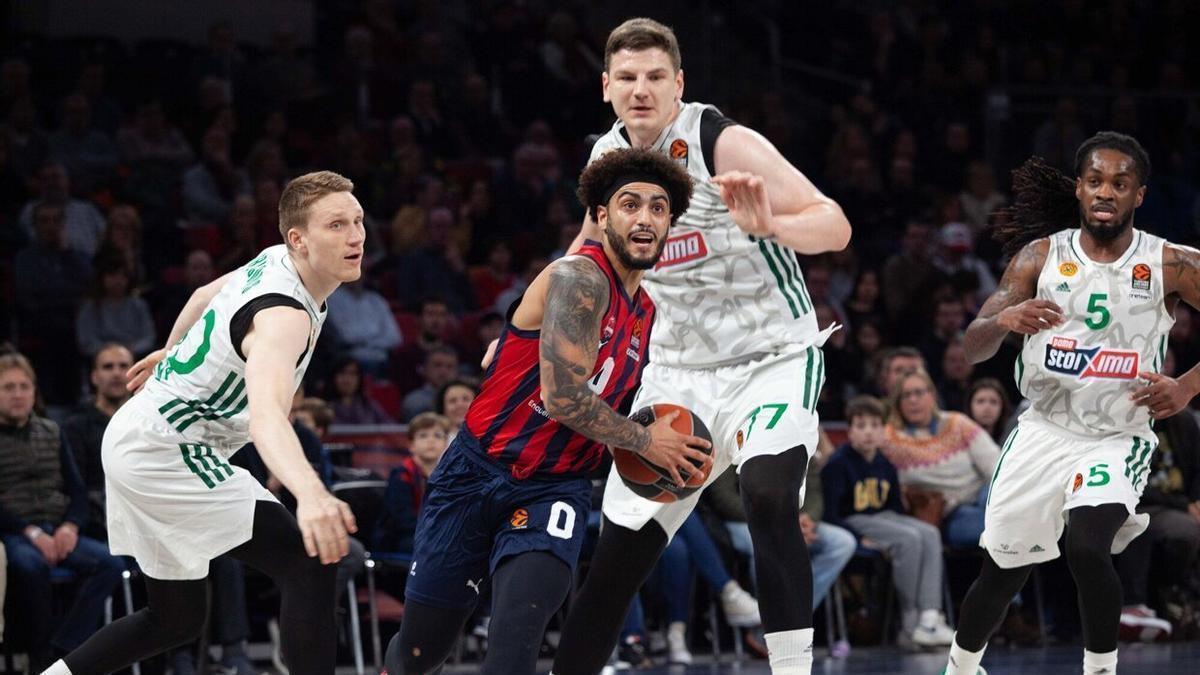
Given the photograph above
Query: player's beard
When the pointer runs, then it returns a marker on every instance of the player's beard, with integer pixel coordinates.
(620, 247)
(1105, 231)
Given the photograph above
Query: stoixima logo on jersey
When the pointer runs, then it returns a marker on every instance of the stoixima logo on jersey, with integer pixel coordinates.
(1066, 356)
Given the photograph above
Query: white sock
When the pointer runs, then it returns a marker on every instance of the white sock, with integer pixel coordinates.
(963, 662)
(790, 651)
(1099, 664)
(59, 668)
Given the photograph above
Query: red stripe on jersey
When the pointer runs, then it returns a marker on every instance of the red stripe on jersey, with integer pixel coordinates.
(509, 417)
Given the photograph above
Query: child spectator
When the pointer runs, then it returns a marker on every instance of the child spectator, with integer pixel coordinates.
(862, 494)
(397, 524)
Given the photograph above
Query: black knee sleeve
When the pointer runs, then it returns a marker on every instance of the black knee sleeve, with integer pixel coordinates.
(623, 560)
(986, 603)
(770, 486)
(427, 634)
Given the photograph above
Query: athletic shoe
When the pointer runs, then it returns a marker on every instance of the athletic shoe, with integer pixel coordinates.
(1140, 623)
(840, 649)
(276, 650)
(677, 650)
(741, 609)
(932, 631)
(632, 654)
(980, 671)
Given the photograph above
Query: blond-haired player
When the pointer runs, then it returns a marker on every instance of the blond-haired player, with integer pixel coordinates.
(235, 356)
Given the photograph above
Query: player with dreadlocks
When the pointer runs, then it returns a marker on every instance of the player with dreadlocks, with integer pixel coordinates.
(1094, 299)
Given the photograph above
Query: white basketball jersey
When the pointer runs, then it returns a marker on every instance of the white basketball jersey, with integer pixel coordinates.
(723, 297)
(1078, 376)
(199, 389)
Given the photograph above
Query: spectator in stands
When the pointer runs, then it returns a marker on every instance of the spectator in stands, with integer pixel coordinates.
(242, 235)
(980, 199)
(505, 299)
(169, 299)
(113, 314)
(123, 240)
(85, 429)
(452, 402)
(1171, 476)
(989, 406)
(436, 267)
(956, 377)
(153, 142)
(895, 362)
(88, 153)
(433, 325)
(106, 112)
(1057, 138)
(346, 394)
(863, 357)
(957, 254)
(365, 325)
(862, 492)
(428, 435)
(27, 140)
(945, 459)
(48, 281)
(949, 318)
(495, 276)
(82, 222)
(43, 506)
(865, 302)
(909, 270)
(440, 366)
(210, 186)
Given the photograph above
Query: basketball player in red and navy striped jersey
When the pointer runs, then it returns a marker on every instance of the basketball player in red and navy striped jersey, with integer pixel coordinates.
(510, 497)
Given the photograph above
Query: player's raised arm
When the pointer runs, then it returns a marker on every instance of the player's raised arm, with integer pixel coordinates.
(576, 299)
(781, 202)
(1013, 307)
(273, 347)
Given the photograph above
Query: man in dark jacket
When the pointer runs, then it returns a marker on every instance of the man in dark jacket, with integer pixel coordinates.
(43, 505)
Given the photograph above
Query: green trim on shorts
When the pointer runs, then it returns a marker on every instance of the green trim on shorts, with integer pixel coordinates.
(1003, 453)
(1142, 466)
(808, 371)
(218, 469)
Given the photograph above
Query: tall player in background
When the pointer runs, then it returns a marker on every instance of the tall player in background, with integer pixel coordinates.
(1095, 300)
(736, 341)
(510, 497)
(236, 355)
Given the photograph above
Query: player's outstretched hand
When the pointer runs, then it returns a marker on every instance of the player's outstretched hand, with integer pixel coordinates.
(325, 521)
(1163, 397)
(745, 195)
(1031, 316)
(140, 372)
(489, 354)
(674, 451)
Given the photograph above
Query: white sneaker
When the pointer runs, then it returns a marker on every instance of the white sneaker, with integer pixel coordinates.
(1140, 623)
(932, 631)
(276, 652)
(677, 650)
(741, 609)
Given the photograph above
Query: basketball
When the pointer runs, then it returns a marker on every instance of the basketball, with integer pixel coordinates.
(650, 480)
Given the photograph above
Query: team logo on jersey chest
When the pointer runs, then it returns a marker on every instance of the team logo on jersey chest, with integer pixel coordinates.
(1068, 269)
(679, 151)
(682, 248)
(1066, 356)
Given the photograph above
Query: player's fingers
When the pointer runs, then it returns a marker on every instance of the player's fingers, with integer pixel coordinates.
(670, 417)
(328, 545)
(673, 469)
(1151, 376)
(310, 541)
(348, 518)
(697, 442)
(341, 538)
(697, 455)
(1141, 394)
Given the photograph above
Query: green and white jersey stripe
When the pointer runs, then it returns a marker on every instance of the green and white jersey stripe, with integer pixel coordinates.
(723, 296)
(199, 389)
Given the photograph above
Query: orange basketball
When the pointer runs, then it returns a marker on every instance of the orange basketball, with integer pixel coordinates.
(650, 480)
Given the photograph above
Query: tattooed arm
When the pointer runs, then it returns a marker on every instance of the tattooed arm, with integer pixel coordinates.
(576, 301)
(1164, 396)
(577, 298)
(1012, 306)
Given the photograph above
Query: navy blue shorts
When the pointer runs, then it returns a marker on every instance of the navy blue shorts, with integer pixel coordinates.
(475, 515)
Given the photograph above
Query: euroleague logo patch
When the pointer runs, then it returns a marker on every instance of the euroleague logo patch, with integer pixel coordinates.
(1066, 356)
(1078, 482)
(520, 518)
(682, 248)
(1141, 277)
(679, 151)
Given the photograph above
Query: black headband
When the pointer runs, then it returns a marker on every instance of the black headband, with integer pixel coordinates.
(627, 178)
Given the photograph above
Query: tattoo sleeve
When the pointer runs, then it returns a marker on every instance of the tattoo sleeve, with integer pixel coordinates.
(1019, 283)
(1181, 266)
(576, 301)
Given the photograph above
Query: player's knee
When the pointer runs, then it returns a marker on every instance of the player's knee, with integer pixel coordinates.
(177, 627)
(770, 485)
(1085, 553)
